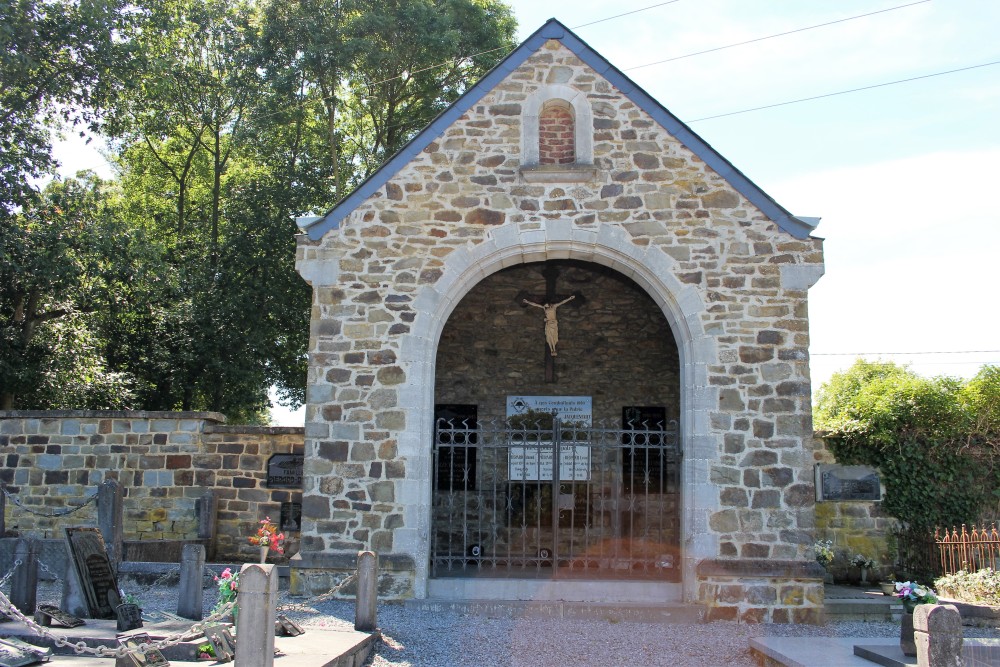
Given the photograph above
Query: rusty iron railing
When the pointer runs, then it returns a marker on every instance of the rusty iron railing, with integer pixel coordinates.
(969, 551)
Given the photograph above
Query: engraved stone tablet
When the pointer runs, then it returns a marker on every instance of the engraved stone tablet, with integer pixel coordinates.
(14, 656)
(100, 587)
(291, 516)
(837, 482)
(222, 642)
(284, 471)
(46, 615)
(136, 657)
(287, 627)
(129, 617)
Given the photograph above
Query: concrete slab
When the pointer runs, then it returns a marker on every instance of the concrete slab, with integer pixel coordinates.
(858, 652)
(315, 648)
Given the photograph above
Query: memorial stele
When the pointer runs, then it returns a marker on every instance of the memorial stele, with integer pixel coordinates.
(557, 175)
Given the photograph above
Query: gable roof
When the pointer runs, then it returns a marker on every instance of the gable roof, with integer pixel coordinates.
(553, 29)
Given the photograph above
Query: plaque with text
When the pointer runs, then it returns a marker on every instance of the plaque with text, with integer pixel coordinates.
(137, 657)
(100, 586)
(47, 614)
(837, 482)
(534, 461)
(291, 516)
(286, 627)
(222, 641)
(129, 617)
(284, 471)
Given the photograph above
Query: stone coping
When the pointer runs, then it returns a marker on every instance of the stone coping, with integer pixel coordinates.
(760, 567)
(349, 561)
(247, 429)
(110, 414)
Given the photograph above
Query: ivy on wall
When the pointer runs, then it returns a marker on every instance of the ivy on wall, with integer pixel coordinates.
(936, 441)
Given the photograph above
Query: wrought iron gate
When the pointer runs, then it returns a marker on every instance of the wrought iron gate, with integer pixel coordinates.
(556, 500)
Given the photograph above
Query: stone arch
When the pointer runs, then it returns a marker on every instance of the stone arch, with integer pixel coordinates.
(653, 270)
(583, 126)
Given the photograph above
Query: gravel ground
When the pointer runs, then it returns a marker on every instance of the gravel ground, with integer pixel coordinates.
(434, 639)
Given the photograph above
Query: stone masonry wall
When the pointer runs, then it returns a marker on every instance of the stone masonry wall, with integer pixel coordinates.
(164, 461)
(748, 459)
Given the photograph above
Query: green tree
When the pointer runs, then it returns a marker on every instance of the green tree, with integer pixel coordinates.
(934, 440)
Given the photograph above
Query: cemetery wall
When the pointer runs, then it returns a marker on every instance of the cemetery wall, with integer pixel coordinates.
(165, 462)
(854, 527)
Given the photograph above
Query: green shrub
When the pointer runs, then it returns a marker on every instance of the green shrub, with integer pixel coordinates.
(982, 587)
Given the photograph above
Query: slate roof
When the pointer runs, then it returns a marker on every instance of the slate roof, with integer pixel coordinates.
(799, 227)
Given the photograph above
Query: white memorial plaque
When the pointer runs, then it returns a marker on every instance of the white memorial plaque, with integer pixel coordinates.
(535, 461)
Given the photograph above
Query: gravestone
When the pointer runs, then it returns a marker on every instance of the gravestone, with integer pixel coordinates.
(15, 656)
(136, 657)
(190, 594)
(287, 627)
(47, 614)
(222, 641)
(24, 584)
(129, 616)
(97, 578)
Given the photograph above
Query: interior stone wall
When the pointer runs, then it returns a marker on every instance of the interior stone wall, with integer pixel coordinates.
(614, 344)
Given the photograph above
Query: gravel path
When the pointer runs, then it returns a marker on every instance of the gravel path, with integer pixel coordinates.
(450, 639)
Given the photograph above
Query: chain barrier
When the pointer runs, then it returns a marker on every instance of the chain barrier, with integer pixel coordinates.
(303, 605)
(60, 513)
(45, 568)
(80, 647)
(10, 572)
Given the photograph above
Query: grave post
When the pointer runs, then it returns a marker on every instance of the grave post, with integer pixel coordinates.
(366, 601)
(24, 583)
(190, 593)
(207, 525)
(257, 599)
(937, 631)
(109, 518)
(3, 509)
(73, 599)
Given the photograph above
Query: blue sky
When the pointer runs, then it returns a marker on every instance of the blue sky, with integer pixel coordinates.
(904, 176)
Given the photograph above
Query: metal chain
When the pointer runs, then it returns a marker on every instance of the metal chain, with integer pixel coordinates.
(17, 501)
(80, 647)
(300, 605)
(46, 568)
(3, 581)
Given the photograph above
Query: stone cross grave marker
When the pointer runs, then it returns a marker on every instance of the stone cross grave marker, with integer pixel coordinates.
(100, 586)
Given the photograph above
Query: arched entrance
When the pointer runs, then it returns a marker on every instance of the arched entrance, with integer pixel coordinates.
(556, 465)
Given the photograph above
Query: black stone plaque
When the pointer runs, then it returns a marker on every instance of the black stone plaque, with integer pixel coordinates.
(287, 627)
(136, 657)
(129, 617)
(47, 614)
(291, 516)
(100, 586)
(222, 642)
(837, 482)
(284, 471)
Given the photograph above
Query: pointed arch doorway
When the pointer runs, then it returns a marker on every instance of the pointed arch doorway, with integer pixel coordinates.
(591, 493)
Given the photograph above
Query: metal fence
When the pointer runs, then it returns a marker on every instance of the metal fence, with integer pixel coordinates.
(969, 551)
(589, 499)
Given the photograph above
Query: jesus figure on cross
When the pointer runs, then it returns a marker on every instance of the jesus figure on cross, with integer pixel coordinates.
(551, 323)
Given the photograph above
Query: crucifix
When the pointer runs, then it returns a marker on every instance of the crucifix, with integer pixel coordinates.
(549, 304)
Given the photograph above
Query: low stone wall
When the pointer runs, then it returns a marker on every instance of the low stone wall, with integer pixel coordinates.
(761, 591)
(165, 462)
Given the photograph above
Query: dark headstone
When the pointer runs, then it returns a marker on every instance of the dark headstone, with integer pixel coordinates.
(136, 657)
(47, 614)
(129, 616)
(222, 642)
(287, 627)
(190, 594)
(291, 516)
(97, 578)
(837, 482)
(284, 471)
(24, 584)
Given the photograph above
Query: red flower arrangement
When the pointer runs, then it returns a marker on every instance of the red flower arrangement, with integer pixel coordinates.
(268, 536)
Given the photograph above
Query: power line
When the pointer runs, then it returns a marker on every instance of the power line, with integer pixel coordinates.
(844, 92)
(780, 34)
(636, 11)
(861, 354)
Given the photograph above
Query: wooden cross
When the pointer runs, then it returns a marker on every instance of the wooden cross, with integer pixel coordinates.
(551, 275)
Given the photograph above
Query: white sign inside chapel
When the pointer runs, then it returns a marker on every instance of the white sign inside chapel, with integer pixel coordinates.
(536, 462)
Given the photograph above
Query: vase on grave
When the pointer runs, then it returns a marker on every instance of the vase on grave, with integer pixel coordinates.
(864, 575)
(263, 554)
(907, 644)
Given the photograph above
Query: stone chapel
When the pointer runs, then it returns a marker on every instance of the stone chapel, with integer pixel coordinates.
(559, 350)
